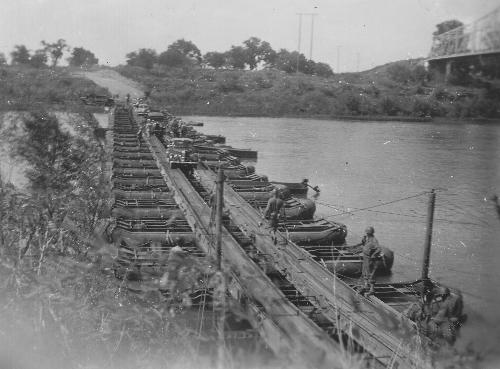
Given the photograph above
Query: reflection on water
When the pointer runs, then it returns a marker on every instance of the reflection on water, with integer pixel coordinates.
(362, 164)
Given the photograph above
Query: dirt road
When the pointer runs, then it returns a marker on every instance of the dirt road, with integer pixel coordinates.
(114, 82)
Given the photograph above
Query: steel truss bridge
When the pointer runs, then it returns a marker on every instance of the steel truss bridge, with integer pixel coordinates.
(481, 37)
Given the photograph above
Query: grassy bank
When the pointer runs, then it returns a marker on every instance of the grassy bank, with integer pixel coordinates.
(27, 88)
(402, 90)
(57, 306)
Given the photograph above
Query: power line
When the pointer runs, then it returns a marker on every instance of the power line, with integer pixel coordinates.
(419, 216)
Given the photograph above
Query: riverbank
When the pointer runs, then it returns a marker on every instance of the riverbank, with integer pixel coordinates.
(401, 91)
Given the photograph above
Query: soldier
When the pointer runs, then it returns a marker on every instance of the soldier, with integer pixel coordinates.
(273, 209)
(139, 134)
(371, 252)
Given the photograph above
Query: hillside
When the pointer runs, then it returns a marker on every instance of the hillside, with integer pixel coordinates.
(27, 88)
(396, 90)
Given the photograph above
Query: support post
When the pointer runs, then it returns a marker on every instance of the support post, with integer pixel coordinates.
(448, 70)
(428, 236)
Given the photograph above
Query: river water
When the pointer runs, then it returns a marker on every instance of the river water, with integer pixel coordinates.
(369, 164)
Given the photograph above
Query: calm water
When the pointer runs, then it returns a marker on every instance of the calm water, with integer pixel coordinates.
(362, 164)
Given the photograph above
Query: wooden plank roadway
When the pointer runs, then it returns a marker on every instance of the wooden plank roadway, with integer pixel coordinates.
(286, 329)
(383, 332)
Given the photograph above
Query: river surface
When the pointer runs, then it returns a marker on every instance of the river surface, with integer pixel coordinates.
(368, 164)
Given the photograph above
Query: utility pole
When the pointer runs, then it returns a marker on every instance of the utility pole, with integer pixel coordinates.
(428, 237)
(300, 35)
(312, 36)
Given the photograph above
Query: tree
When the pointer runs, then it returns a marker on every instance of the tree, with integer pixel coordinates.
(180, 53)
(144, 58)
(81, 57)
(236, 57)
(322, 70)
(173, 58)
(55, 49)
(188, 49)
(258, 51)
(399, 72)
(49, 151)
(214, 59)
(3, 60)
(287, 61)
(447, 26)
(20, 55)
(38, 59)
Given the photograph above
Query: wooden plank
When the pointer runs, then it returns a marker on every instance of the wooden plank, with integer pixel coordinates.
(381, 330)
(290, 334)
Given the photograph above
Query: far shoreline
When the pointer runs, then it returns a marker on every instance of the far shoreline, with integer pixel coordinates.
(361, 118)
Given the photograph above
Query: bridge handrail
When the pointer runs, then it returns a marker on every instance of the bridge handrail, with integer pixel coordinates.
(480, 36)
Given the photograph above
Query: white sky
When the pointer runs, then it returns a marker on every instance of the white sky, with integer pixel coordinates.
(378, 31)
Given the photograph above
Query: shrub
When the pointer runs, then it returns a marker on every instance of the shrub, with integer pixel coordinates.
(230, 83)
(389, 106)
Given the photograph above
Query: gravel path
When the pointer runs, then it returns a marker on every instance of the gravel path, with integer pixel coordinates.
(115, 83)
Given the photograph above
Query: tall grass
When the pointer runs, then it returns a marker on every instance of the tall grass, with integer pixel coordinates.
(27, 88)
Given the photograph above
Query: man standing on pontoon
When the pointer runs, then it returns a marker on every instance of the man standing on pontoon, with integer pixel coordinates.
(371, 251)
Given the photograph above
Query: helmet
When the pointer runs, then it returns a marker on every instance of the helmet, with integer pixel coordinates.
(370, 230)
(441, 291)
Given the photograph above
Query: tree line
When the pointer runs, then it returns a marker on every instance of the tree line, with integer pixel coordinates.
(50, 52)
(252, 54)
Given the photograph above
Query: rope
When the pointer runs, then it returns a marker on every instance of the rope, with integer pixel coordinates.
(378, 205)
(418, 216)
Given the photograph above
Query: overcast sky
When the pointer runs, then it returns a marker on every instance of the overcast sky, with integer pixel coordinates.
(371, 32)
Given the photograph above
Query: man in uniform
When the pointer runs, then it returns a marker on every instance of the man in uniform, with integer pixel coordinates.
(273, 209)
(139, 134)
(371, 252)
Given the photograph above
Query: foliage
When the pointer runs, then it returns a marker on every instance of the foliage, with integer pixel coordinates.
(447, 26)
(55, 49)
(172, 58)
(322, 69)
(3, 60)
(20, 55)
(81, 57)
(407, 72)
(289, 61)
(388, 106)
(144, 58)
(214, 59)
(181, 53)
(38, 59)
(23, 88)
(229, 83)
(258, 51)
(272, 92)
(236, 57)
